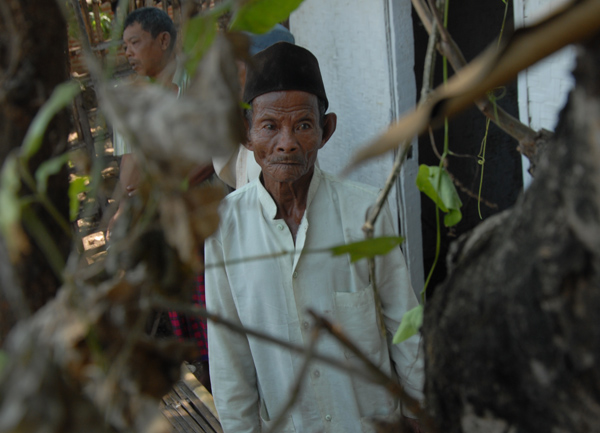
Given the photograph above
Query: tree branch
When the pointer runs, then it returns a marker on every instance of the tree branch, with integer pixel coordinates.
(526, 136)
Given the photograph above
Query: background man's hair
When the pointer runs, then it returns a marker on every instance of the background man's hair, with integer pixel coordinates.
(154, 21)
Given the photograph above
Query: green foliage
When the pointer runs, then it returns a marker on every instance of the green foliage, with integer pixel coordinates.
(199, 34)
(368, 248)
(15, 173)
(62, 96)
(259, 16)
(77, 186)
(47, 169)
(105, 23)
(437, 185)
(9, 198)
(410, 325)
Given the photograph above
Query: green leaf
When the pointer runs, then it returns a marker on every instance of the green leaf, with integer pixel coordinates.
(368, 248)
(76, 187)
(259, 16)
(436, 184)
(199, 34)
(410, 325)
(9, 196)
(63, 95)
(47, 169)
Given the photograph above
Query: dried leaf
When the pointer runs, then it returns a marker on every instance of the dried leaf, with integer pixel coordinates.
(190, 218)
(175, 135)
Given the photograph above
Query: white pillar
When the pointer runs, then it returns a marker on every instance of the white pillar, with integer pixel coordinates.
(543, 88)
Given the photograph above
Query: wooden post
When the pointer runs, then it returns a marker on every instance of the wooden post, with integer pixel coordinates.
(96, 11)
(86, 21)
(83, 126)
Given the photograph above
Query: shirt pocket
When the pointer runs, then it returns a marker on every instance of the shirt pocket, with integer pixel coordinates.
(356, 314)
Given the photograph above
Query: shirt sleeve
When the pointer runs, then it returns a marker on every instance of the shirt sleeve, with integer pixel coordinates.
(397, 297)
(225, 166)
(232, 371)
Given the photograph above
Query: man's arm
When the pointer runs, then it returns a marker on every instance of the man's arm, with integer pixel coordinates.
(129, 177)
(232, 371)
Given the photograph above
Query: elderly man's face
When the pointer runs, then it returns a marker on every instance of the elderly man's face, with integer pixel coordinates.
(285, 135)
(147, 56)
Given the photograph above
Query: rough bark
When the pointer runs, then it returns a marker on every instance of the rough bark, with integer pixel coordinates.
(512, 337)
(33, 60)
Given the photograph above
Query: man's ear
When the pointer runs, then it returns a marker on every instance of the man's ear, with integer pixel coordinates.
(164, 38)
(247, 143)
(329, 126)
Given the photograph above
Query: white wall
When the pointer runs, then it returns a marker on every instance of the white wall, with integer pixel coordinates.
(365, 51)
(543, 88)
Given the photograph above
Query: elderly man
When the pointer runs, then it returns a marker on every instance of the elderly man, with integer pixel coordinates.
(285, 220)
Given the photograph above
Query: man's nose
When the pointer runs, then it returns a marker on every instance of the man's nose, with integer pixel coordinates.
(287, 141)
(128, 52)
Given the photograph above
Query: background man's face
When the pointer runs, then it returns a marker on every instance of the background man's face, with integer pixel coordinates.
(147, 55)
(285, 134)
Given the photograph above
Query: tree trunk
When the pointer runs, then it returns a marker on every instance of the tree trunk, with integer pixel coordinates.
(33, 60)
(512, 337)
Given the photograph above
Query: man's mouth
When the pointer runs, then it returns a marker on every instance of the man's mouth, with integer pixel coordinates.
(287, 162)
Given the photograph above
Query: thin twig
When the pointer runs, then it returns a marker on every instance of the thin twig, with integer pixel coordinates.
(470, 193)
(457, 182)
(369, 225)
(433, 145)
(429, 66)
(447, 47)
(424, 14)
(12, 290)
(193, 311)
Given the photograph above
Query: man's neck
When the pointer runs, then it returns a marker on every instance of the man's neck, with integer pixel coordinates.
(165, 76)
(290, 199)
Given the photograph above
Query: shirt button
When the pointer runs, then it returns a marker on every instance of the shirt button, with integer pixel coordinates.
(317, 373)
(295, 274)
(305, 324)
(280, 226)
(327, 417)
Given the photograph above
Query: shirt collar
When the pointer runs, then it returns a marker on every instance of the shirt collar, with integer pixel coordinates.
(268, 204)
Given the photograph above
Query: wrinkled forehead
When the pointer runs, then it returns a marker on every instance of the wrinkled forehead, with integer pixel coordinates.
(286, 104)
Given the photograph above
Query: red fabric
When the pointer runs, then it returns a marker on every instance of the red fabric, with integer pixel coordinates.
(193, 327)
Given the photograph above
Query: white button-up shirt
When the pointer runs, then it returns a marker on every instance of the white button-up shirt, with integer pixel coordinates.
(272, 292)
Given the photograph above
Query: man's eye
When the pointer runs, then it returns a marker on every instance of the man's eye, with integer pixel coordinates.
(269, 127)
(305, 126)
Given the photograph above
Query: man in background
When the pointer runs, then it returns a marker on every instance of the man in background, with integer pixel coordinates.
(149, 40)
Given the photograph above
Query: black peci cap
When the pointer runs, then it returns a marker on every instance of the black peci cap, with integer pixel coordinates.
(284, 66)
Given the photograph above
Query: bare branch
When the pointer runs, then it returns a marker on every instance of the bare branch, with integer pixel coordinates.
(162, 303)
(424, 14)
(525, 135)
